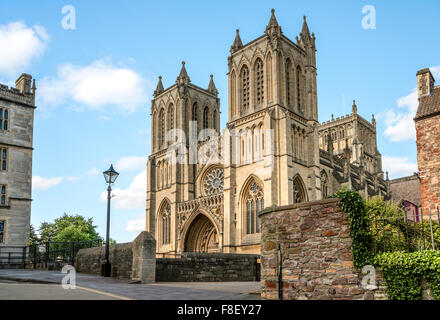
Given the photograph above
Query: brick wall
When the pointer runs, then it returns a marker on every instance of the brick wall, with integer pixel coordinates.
(316, 255)
(406, 188)
(209, 267)
(428, 158)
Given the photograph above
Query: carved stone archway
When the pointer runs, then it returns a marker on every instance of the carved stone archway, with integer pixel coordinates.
(201, 236)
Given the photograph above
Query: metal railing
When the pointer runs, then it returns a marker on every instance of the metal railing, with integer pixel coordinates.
(409, 231)
(54, 251)
(12, 255)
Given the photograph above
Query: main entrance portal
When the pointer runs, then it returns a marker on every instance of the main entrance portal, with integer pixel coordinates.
(201, 236)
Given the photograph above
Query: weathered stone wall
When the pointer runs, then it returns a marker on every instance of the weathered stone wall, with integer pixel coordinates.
(207, 267)
(406, 188)
(120, 255)
(316, 256)
(428, 159)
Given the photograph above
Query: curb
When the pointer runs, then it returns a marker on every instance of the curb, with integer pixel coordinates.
(24, 280)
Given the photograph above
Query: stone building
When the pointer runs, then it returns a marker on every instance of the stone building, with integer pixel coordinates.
(427, 121)
(273, 151)
(17, 107)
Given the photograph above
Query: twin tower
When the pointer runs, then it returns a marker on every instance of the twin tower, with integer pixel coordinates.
(272, 105)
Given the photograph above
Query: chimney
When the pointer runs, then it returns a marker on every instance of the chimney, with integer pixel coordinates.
(425, 82)
(23, 83)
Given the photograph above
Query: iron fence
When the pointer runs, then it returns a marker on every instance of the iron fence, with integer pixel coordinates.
(12, 255)
(54, 251)
(409, 231)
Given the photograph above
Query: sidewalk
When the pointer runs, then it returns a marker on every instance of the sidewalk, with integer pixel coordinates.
(156, 291)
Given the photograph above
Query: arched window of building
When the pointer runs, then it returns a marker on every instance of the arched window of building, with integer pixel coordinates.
(299, 192)
(233, 93)
(269, 77)
(253, 203)
(259, 81)
(298, 88)
(162, 128)
(171, 117)
(165, 217)
(244, 77)
(194, 112)
(206, 118)
(289, 82)
(324, 185)
(214, 120)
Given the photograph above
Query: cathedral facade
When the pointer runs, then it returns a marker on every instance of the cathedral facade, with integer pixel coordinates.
(274, 151)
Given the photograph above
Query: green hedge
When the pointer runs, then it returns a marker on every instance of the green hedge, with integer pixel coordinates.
(402, 270)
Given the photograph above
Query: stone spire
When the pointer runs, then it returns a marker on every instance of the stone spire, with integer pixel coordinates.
(273, 27)
(373, 120)
(159, 88)
(354, 108)
(237, 42)
(183, 76)
(305, 32)
(211, 86)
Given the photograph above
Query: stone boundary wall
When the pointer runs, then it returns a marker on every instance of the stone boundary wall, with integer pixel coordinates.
(208, 267)
(120, 255)
(315, 243)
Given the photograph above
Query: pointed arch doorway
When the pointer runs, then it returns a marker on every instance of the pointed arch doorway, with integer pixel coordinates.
(201, 236)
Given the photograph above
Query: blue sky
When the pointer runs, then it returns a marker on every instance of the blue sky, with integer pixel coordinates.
(95, 82)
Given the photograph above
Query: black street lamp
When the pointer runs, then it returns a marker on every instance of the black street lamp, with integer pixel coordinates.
(110, 177)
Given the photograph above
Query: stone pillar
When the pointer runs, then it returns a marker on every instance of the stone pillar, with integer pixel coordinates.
(144, 258)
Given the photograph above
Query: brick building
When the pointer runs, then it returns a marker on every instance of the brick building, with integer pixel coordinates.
(427, 121)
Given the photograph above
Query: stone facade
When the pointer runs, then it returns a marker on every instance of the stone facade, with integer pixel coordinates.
(208, 267)
(315, 250)
(17, 107)
(405, 189)
(121, 257)
(275, 150)
(427, 123)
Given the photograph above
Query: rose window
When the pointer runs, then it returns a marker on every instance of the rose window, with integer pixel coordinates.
(214, 182)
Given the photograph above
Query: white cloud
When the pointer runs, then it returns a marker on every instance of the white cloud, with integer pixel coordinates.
(400, 124)
(136, 225)
(93, 172)
(72, 178)
(131, 163)
(398, 166)
(95, 86)
(20, 44)
(131, 198)
(40, 183)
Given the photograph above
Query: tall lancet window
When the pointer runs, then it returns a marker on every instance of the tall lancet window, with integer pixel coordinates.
(206, 118)
(244, 88)
(298, 88)
(161, 128)
(166, 224)
(254, 203)
(171, 117)
(289, 82)
(259, 81)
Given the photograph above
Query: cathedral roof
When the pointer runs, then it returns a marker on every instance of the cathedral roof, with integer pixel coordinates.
(429, 105)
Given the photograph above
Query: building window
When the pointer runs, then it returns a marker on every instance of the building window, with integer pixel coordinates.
(324, 185)
(259, 73)
(205, 118)
(2, 231)
(3, 195)
(3, 159)
(288, 82)
(254, 203)
(299, 194)
(166, 224)
(245, 87)
(298, 87)
(4, 119)
(162, 128)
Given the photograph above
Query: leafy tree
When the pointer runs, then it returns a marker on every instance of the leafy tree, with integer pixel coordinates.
(33, 236)
(69, 228)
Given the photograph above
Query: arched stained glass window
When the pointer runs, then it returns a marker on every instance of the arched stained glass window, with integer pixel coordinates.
(254, 200)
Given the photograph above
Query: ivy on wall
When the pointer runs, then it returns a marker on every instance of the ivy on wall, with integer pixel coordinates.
(403, 271)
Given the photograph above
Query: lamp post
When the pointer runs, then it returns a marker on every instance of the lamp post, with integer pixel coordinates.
(110, 177)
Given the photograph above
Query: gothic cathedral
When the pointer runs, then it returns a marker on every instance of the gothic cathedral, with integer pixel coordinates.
(275, 151)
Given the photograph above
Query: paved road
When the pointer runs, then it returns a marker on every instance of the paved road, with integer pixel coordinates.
(156, 291)
(11, 290)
